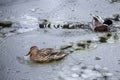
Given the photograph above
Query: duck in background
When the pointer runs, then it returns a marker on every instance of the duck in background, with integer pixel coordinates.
(45, 54)
(100, 25)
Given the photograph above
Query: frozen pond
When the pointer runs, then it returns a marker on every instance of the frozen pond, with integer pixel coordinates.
(104, 56)
(100, 62)
(65, 10)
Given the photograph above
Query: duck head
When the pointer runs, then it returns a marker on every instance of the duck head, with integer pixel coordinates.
(108, 22)
(33, 50)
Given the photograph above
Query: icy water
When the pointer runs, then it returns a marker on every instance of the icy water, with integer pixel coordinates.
(100, 62)
(95, 63)
(65, 10)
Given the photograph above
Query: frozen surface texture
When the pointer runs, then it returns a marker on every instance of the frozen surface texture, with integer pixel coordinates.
(100, 62)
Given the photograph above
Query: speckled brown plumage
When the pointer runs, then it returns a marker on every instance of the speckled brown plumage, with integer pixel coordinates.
(45, 55)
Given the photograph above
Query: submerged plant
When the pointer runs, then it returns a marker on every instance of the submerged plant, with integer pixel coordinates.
(66, 46)
(83, 45)
(66, 26)
(116, 37)
(103, 39)
(6, 23)
(41, 25)
(108, 35)
(116, 17)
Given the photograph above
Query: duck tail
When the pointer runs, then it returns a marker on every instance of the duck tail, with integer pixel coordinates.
(27, 54)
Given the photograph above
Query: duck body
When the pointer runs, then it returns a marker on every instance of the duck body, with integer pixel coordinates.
(100, 25)
(101, 28)
(45, 55)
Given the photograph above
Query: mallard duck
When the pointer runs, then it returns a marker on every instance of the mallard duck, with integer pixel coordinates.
(100, 25)
(45, 54)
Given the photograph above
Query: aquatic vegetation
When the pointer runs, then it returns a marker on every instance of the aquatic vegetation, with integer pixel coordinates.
(113, 1)
(89, 41)
(103, 39)
(97, 58)
(66, 46)
(90, 44)
(6, 24)
(65, 26)
(44, 24)
(108, 35)
(41, 25)
(83, 45)
(116, 37)
(116, 17)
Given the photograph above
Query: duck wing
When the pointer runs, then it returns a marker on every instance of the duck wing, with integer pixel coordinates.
(49, 54)
(45, 52)
(97, 21)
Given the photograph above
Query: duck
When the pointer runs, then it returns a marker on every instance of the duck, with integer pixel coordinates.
(100, 25)
(45, 54)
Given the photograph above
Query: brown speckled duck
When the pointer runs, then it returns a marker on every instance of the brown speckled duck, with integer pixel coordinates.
(45, 54)
(100, 25)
